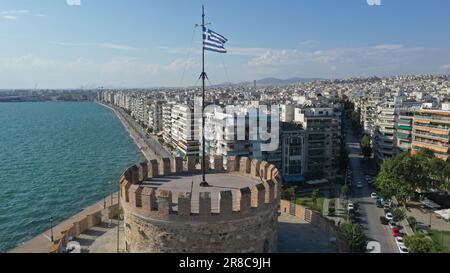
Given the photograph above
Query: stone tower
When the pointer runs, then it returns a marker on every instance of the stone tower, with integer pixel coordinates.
(165, 209)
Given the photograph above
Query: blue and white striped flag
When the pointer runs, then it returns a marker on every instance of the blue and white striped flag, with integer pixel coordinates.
(213, 41)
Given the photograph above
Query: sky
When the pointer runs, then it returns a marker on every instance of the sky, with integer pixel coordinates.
(139, 43)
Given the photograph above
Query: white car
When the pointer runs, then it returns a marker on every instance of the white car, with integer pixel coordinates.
(402, 248)
(350, 206)
(399, 240)
(389, 216)
(374, 195)
(392, 224)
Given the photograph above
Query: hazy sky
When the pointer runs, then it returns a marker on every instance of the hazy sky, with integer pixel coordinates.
(140, 43)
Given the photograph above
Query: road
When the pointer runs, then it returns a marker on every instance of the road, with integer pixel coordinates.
(148, 144)
(369, 213)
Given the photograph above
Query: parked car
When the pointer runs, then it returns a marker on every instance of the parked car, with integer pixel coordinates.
(373, 195)
(350, 206)
(379, 205)
(402, 248)
(359, 185)
(396, 232)
(389, 216)
(392, 224)
(383, 220)
(399, 240)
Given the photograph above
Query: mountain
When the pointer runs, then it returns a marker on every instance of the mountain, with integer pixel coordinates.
(274, 81)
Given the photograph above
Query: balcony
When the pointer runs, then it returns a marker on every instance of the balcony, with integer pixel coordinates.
(430, 146)
(433, 118)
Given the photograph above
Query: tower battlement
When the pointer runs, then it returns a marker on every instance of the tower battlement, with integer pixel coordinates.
(164, 190)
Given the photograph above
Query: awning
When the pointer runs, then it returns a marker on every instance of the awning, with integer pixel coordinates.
(445, 213)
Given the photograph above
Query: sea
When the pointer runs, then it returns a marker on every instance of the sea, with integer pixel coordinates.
(56, 158)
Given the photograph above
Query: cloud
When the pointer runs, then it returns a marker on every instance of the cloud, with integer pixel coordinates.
(100, 45)
(374, 2)
(73, 2)
(10, 17)
(309, 43)
(25, 71)
(12, 14)
(381, 60)
(446, 66)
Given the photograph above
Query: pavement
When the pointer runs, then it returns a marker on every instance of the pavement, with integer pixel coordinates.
(148, 144)
(369, 214)
(298, 236)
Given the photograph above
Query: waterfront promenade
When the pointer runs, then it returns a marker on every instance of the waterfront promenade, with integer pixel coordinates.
(42, 243)
(148, 144)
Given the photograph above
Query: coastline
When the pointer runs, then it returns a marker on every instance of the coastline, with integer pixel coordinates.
(148, 151)
(42, 242)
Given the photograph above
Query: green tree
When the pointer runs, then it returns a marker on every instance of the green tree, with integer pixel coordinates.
(289, 192)
(344, 190)
(366, 148)
(354, 235)
(315, 195)
(419, 244)
(398, 215)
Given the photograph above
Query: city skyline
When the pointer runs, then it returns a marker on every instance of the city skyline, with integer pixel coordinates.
(68, 44)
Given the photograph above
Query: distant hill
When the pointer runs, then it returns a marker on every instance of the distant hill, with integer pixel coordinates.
(275, 81)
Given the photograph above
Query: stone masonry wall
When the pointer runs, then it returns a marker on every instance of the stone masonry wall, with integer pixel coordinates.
(247, 223)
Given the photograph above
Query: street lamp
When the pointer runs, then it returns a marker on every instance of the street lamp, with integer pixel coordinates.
(51, 229)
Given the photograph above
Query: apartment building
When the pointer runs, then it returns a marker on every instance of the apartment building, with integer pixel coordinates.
(185, 138)
(155, 115)
(294, 141)
(403, 130)
(431, 130)
(323, 126)
(384, 141)
(167, 122)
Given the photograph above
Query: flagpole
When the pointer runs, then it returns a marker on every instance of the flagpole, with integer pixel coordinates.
(203, 183)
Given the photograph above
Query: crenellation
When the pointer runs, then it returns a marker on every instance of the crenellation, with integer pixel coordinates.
(257, 196)
(232, 164)
(191, 162)
(178, 165)
(263, 169)
(269, 188)
(143, 171)
(254, 168)
(244, 197)
(218, 163)
(226, 202)
(164, 203)
(204, 204)
(164, 166)
(148, 200)
(244, 165)
(152, 211)
(184, 204)
(153, 170)
(134, 175)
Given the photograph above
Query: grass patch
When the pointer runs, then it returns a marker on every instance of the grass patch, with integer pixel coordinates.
(307, 202)
(441, 240)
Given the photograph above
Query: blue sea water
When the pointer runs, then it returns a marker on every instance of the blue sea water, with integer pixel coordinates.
(56, 158)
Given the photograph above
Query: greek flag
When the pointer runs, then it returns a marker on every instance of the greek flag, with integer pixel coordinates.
(213, 41)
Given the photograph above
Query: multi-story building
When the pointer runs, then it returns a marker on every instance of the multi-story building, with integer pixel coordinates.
(155, 115)
(403, 130)
(185, 138)
(294, 141)
(431, 130)
(384, 132)
(167, 122)
(323, 126)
